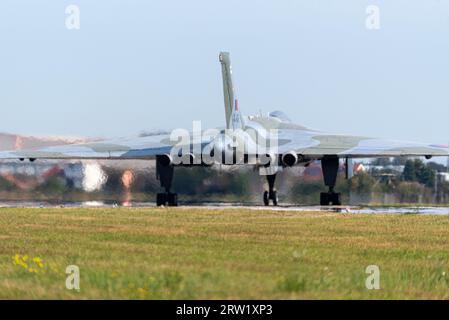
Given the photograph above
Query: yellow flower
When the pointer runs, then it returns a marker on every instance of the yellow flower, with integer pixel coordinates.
(21, 261)
(38, 262)
(17, 260)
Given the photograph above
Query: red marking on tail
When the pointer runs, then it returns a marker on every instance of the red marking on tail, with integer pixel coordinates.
(236, 105)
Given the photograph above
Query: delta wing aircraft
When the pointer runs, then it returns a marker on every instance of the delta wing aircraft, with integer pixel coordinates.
(270, 142)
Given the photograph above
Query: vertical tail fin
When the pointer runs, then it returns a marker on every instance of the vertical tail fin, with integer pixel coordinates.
(228, 87)
(233, 117)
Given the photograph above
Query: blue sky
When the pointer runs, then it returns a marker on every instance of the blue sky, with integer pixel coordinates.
(144, 65)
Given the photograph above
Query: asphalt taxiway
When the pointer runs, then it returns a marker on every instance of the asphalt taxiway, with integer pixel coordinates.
(217, 205)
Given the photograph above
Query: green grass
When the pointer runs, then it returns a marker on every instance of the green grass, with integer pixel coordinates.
(187, 253)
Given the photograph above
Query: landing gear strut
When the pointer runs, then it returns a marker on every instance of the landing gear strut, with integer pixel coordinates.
(271, 194)
(330, 165)
(164, 173)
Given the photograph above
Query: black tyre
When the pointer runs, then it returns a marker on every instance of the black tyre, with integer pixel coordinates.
(274, 198)
(324, 199)
(161, 199)
(336, 199)
(266, 200)
(172, 199)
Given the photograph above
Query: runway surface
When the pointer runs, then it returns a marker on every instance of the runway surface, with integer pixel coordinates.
(343, 209)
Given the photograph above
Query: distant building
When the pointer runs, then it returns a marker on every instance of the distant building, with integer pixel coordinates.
(393, 168)
(443, 176)
(26, 175)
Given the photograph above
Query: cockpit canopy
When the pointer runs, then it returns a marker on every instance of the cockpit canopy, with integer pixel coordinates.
(280, 115)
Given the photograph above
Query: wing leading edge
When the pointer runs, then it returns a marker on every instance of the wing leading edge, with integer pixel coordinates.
(308, 143)
(126, 148)
(316, 145)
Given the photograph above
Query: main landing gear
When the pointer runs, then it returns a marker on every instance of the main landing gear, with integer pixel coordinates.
(164, 173)
(330, 164)
(271, 194)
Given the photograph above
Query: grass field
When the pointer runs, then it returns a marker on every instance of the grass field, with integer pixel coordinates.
(186, 253)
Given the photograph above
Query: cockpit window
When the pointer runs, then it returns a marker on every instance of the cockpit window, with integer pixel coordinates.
(280, 115)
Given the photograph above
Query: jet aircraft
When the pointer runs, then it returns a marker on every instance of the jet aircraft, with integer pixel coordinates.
(270, 142)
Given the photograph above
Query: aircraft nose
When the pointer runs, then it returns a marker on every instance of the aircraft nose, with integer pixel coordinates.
(226, 149)
(223, 143)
